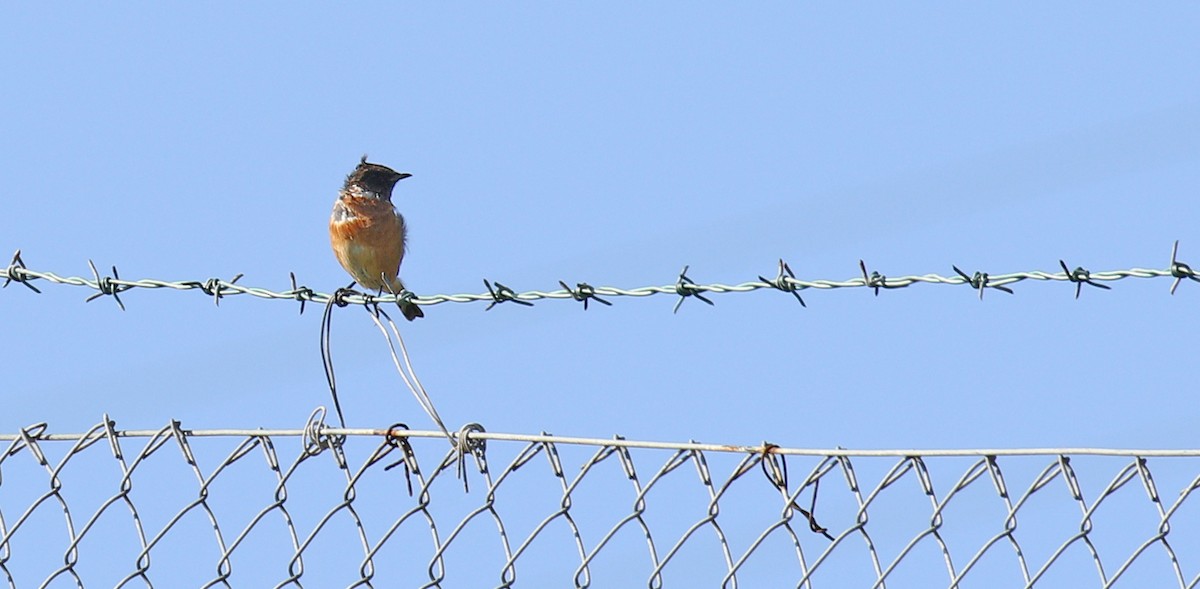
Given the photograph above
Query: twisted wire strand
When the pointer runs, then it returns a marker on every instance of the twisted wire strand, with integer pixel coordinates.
(683, 287)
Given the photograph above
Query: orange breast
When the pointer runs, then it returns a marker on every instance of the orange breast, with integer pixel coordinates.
(369, 241)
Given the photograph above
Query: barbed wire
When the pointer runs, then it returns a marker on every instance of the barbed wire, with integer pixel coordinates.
(785, 280)
(1009, 497)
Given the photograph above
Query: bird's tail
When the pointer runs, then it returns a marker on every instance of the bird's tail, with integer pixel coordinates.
(411, 311)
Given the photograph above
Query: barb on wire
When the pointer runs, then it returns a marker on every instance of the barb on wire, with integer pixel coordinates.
(302, 293)
(15, 273)
(1180, 270)
(214, 287)
(584, 292)
(980, 281)
(783, 283)
(681, 288)
(1080, 276)
(875, 280)
(501, 294)
(685, 288)
(108, 285)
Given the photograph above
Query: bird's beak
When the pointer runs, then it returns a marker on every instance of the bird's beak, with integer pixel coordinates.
(400, 176)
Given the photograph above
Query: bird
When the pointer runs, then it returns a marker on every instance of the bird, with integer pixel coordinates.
(368, 234)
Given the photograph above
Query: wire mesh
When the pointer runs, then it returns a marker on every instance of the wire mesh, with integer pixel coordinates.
(323, 507)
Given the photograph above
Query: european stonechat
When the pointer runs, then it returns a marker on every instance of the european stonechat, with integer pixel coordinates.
(368, 233)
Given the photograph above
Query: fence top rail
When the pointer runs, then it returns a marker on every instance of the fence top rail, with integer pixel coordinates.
(618, 442)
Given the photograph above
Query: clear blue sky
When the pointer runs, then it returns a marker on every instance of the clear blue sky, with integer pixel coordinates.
(614, 145)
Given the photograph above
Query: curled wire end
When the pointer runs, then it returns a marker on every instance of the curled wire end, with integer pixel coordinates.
(468, 445)
(315, 439)
(395, 440)
(774, 471)
(1080, 276)
(774, 467)
(1180, 270)
(785, 281)
(407, 457)
(300, 293)
(107, 286)
(584, 292)
(501, 294)
(32, 432)
(685, 288)
(16, 273)
(341, 296)
(465, 444)
(979, 281)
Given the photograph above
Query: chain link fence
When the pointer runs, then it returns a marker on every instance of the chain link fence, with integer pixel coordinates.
(323, 507)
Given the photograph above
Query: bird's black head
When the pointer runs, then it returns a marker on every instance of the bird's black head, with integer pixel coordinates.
(374, 179)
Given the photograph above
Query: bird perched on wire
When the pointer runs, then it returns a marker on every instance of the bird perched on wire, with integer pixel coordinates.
(368, 233)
